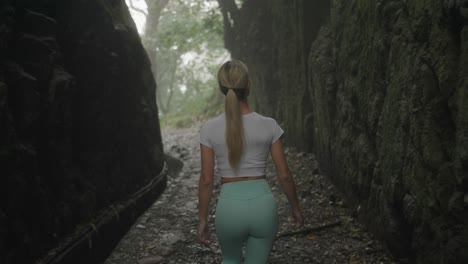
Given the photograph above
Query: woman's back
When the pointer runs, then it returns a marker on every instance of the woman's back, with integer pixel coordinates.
(259, 133)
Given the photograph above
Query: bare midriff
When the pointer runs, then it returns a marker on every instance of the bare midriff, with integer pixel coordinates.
(236, 179)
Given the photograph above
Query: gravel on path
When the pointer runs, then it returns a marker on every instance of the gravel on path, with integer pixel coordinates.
(166, 232)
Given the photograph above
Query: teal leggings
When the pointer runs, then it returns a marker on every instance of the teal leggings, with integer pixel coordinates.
(246, 213)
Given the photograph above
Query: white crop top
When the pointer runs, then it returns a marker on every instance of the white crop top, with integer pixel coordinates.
(260, 132)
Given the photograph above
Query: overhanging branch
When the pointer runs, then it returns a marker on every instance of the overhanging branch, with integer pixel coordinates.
(137, 9)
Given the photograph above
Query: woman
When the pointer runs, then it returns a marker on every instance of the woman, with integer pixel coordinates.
(241, 140)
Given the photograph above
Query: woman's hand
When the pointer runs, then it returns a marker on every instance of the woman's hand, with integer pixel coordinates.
(297, 216)
(203, 233)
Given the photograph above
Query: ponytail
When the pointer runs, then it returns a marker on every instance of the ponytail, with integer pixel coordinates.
(234, 129)
(233, 79)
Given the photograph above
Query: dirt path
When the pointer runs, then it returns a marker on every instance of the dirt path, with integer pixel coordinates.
(166, 233)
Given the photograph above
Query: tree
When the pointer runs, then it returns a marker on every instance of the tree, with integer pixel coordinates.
(183, 39)
(184, 43)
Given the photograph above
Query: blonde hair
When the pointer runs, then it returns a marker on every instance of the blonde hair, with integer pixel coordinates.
(233, 79)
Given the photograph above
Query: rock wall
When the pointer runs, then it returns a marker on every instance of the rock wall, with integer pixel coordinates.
(79, 126)
(269, 37)
(378, 91)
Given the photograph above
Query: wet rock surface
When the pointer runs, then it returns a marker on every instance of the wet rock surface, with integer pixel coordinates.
(79, 130)
(383, 106)
(166, 233)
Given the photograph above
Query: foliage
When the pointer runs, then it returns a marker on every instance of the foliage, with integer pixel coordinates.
(187, 48)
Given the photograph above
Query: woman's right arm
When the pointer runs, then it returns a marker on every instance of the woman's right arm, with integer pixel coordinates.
(286, 179)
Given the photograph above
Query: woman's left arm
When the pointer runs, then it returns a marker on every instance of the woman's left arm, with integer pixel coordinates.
(205, 189)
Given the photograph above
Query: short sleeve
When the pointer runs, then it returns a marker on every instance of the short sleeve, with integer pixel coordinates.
(277, 132)
(204, 136)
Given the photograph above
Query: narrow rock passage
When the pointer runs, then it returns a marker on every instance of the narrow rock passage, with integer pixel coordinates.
(166, 233)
